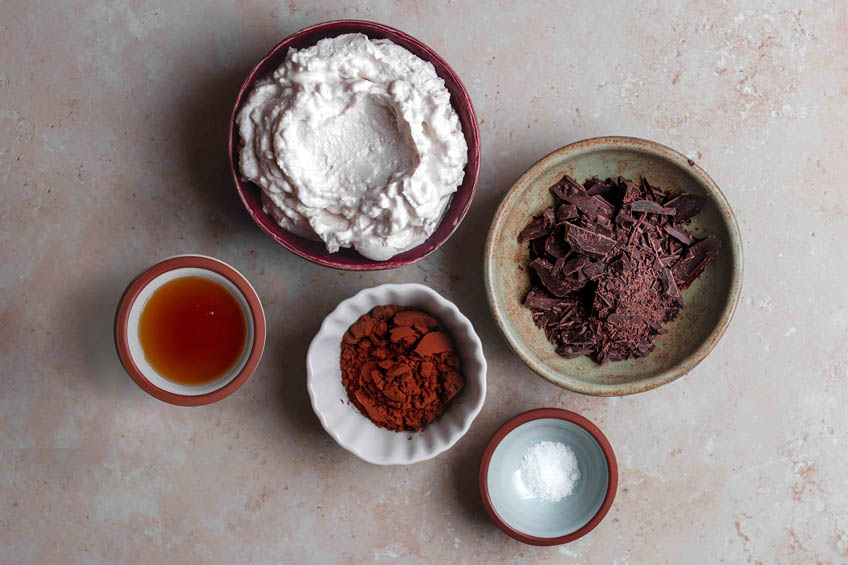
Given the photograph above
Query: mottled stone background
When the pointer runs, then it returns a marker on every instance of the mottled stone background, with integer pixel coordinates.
(112, 156)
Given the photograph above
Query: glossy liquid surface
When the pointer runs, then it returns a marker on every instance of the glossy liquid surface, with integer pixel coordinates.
(192, 330)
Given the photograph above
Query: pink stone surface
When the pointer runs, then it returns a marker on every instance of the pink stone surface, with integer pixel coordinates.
(113, 119)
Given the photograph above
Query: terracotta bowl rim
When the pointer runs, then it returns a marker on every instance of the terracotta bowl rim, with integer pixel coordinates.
(461, 200)
(179, 262)
(734, 247)
(538, 414)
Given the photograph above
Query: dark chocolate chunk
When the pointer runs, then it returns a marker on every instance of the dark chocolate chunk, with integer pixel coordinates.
(570, 191)
(598, 187)
(696, 259)
(540, 226)
(566, 212)
(573, 265)
(557, 286)
(686, 205)
(585, 241)
(593, 269)
(538, 299)
(555, 244)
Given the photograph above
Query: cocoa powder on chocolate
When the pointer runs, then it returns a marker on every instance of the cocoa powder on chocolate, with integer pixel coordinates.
(399, 367)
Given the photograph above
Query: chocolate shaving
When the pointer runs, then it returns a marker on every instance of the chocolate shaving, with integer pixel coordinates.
(679, 234)
(609, 261)
(651, 208)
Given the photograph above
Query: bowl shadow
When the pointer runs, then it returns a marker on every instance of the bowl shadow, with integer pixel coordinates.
(291, 393)
(204, 116)
(466, 471)
(91, 319)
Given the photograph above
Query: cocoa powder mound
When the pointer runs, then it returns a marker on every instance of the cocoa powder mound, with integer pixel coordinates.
(399, 367)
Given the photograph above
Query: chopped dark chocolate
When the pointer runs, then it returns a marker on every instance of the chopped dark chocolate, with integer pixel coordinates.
(609, 260)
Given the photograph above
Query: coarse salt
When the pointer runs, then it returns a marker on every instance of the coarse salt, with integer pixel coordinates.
(549, 470)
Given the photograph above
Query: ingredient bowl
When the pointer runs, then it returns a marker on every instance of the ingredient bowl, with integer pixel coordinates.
(527, 518)
(347, 425)
(709, 302)
(345, 258)
(129, 346)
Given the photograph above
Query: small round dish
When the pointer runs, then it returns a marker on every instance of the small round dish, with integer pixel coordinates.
(129, 346)
(348, 259)
(531, 520)
(709, 303)
(343, 421)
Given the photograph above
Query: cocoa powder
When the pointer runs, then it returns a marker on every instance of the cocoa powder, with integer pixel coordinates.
(399, 367)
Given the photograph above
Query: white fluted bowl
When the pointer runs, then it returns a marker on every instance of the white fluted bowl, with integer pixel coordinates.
(347, 425)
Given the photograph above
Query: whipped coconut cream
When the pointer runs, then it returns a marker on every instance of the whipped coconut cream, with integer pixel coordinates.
(354, 141)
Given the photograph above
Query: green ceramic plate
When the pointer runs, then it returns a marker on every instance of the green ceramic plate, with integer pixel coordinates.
(708, 304)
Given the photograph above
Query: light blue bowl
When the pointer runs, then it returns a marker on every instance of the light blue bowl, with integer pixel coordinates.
(520, 513)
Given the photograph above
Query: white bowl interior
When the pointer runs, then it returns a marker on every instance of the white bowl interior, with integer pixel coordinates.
(519, 508)
(347, 425)
(137, 352)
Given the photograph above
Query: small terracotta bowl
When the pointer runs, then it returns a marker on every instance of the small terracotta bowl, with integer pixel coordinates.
(515, 510)
(129, 313)
(708, 304)
(348, 259)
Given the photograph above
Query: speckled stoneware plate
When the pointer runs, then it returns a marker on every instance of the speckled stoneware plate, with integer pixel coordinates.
(708, 304)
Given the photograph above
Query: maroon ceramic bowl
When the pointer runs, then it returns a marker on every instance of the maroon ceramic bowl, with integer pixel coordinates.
(346, 258)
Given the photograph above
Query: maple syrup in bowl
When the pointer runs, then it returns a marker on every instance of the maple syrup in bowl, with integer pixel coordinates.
(190, 330)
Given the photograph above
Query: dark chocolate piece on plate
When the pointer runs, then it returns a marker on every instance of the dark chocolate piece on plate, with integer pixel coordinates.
(566, 212)
(557, 286)
(594, 186)
(585, 241)
(538, 299)
(695, 260)
(540, 226)
(686, 205)
(555, 244)
(570, 191)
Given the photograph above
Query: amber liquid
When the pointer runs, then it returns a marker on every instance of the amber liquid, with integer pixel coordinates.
(192, 330)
